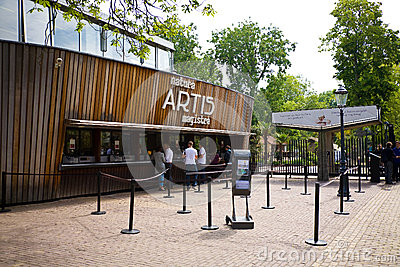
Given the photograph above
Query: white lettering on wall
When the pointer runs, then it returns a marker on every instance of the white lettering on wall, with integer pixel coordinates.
(210, 101)
(183, 105)
(169, 100)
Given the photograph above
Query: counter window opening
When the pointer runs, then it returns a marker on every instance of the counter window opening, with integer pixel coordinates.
(78, 146)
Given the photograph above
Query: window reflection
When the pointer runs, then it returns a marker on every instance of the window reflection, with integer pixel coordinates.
(113, 51)
(151, 60)
(90, 39)
(66, 36)
(164, 60)
(129, 57)
(36, 23)
(9, 20)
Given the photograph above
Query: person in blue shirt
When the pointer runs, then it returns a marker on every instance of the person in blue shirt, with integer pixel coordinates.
(396, 163)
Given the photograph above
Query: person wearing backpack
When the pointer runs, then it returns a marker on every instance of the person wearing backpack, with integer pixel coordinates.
(387, 158)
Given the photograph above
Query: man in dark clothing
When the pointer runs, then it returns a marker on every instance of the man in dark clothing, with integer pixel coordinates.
(396, 163)
(228, 152)
(388, 158)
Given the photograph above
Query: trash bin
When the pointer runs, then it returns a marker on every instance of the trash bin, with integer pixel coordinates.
(374, 164)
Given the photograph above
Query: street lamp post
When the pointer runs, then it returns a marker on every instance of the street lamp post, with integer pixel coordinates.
(341, 98)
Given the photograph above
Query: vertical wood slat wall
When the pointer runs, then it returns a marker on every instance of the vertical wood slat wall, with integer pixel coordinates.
(36, 97)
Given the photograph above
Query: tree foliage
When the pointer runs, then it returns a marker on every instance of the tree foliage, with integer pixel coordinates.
(253, 51)
(364, 50)
(139, 19)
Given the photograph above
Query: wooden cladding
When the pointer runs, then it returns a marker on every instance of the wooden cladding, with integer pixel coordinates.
(37, 96)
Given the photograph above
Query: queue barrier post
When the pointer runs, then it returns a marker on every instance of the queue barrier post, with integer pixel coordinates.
(209, 226)
(348, 189)
(305, 181)
(341, 212)
(98, 212)
(169, 184)
(359, 178)
(286, 178)
(184, 210)
(315, 241)
(3, 193)
(268, 206)
(131, 230)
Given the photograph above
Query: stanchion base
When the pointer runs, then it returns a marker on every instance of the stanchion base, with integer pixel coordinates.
(184, 211)
(226, 188)
(211, 227)
(305, 194)
(312, 242)
(199, 191)
(360, 192)
(132, 232)
(342, 212)
(98, 213)
(284, 188)
(350, 200)
(5, 210)
(268, 207)
(168, 196)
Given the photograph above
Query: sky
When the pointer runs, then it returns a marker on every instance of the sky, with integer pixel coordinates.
(301, 21)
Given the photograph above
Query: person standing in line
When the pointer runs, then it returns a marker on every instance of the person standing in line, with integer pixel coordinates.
(159, 161)
(202, 162)
(169, 154)
(387, 158)
(227, 155)
(190, 156)
(396, 163)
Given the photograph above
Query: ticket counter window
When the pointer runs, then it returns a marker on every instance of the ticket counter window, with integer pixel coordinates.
(78, 146)
(111, 146)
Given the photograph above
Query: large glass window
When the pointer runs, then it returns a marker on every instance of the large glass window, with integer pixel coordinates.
(164, 60)
(66, 36)
(9, 20)
(113, 51)
(129, 57)
(151, 60)
(36, 23)
(90, 39)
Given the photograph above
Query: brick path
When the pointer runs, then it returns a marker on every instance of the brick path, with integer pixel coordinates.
(63, 233)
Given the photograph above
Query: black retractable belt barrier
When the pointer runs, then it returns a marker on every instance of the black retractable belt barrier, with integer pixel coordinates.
(305, 181)
(184, 210)
(286, 174)
(98, 212)
(359, 178)
(315, 241)
(268, 206)
(3, 193)
(341, 212)
(209, 226)
(347, 189)
(131, 210)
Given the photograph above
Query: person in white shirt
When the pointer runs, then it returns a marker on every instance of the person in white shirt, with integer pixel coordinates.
(169, 154)
(202, 162)
(190, 156)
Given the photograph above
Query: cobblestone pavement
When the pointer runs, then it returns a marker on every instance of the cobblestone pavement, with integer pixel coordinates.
(63, 233)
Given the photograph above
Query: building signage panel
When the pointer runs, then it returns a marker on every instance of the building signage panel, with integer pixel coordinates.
(325, 118)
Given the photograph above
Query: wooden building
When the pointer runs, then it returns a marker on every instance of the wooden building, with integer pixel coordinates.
(62, 111)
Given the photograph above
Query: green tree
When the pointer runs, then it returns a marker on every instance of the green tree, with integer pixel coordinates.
(139, 20)
(364, 50)
(253, 51)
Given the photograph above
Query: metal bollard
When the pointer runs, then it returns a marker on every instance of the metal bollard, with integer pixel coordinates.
(3, 193)
(184, 210)
(305, 181)
(348, 189)
(359, 178)
(98, 212)
(286, 183)
(169, 188)
(341, 212)
(209, 226)
(315, 241)
(131, 209)
(268, 206)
